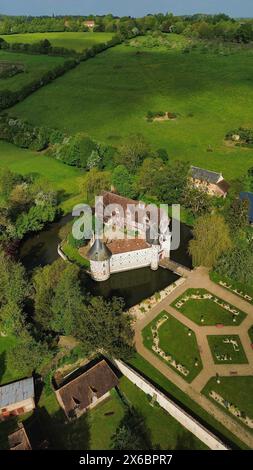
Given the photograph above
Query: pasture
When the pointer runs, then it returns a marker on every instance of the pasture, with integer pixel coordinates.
(109, 97)
(77, 41)
(34, 67)
(63, 178)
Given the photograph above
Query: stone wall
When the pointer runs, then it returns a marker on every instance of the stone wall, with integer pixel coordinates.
(186, 420)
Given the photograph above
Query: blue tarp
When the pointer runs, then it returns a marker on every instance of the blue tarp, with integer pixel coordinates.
(249, 197)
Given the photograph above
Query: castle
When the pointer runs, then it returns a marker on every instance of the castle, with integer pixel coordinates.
(113, 255)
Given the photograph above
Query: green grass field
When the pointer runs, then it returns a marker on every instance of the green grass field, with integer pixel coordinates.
(77, 41)
(236, 390)
(220, 348)
(7, 374)
(35, 66)
(64, 178)
(175, 341)
(251, 334)
(109, 96)
(207, 310)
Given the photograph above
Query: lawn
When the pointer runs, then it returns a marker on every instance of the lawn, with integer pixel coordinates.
(35, 66)
(64, 178)
(236, 390)
(77, 41)
(6, 373)
(173, 392)
(208, 91)
(174, 340)
(206, 312)
(221, 349)
(244, 289)
(74, 255)
(94, 430)
(165, 431)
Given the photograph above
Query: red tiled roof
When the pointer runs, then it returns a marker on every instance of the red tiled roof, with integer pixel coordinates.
(123, 246)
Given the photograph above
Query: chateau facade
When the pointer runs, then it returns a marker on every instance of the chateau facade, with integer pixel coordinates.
(108, 256)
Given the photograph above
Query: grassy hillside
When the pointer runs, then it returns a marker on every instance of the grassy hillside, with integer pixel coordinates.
(109, 97)
(35, 66)
(63, 177)
(77, 41)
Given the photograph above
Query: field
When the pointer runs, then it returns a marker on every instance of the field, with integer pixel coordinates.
(236, 390)
(206, 309)
(77, 41)
(221, 350)
(109, 96)
(174, 340)
(34, 65)
(64, 178)
(7, 374)
(95, 429)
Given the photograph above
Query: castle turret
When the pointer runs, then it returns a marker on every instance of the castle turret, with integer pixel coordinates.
(154, 242)
(165, 243)
(99, 256)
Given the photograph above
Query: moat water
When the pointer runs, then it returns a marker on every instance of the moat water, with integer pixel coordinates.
(134, 286)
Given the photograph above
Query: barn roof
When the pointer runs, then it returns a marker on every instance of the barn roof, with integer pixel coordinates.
(16, 392)
(205, 175)
(97, 380)
(19, 440)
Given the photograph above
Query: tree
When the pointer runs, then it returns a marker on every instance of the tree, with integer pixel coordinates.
(123, 181)
(196, 200)
(211, 240)
(134, 150)
(148, 175)
(104, 326)
(94, 182)
(236, 215)
(170, 183)
(57, 297)
(132, 433)
(237, 263)
(28, 354)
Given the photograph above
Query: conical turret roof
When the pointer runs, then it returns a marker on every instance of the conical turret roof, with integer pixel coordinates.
(99, 251)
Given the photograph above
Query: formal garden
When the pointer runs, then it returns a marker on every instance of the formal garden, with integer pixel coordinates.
(174, 344)
(227, 349)
(234, 394)
(207, 309)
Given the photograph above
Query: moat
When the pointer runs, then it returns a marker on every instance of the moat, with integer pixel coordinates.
(134, 286)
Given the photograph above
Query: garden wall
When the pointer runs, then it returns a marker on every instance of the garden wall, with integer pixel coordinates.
(174, 410)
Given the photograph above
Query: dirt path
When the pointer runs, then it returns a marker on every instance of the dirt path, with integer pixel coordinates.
(199, 278)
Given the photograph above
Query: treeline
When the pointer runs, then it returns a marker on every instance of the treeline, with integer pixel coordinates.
(219, 26)
(8, 98)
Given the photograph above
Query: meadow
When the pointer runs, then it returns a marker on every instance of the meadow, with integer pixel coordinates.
(34, 67)
(63, 178)
(77, 41)
(109, 97)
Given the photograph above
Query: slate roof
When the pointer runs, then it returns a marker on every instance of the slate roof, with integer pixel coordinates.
(98, 380)
(16, 392)
(205, 175)
(249, 197)
(99, 251)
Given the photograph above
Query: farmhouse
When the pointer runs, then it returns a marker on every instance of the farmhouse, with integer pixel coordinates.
(210, 181)
(108, 256)
(87, 390)
(17, 398)
(89, 23)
